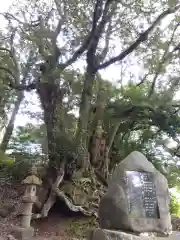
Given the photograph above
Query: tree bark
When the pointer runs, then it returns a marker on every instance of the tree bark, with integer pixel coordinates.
(82, 135)
(49, 96)
(113, 135)
(10, 126)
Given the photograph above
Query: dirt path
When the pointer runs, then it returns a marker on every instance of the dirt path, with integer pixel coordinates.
(54, 227)
(57, 227)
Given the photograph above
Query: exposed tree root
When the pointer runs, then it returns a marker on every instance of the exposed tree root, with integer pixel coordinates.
(82, 194)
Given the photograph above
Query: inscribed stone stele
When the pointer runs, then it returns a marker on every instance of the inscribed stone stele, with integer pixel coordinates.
(137, 198)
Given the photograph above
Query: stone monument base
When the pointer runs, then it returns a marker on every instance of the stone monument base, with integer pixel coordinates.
(21, 233)
(104, 234)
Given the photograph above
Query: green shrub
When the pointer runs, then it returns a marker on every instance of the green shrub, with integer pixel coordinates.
(6, 166)
(174, 205)
(9, 162)
(5, 160)
(13, 168)
(20, 170)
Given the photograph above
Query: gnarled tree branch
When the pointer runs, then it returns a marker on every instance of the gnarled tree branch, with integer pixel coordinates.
(9, 72)
(14, 85)
(85, 45)
(142, 38)
(166, 56)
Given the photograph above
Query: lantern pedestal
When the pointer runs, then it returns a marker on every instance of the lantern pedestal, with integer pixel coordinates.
(21, 233)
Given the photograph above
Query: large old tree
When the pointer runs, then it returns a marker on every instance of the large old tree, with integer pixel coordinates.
(59, 47)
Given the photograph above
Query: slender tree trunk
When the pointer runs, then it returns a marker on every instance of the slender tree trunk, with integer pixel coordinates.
(20, 96)
(85, 106)
(10, 126)
(113, 135)
(82, 135)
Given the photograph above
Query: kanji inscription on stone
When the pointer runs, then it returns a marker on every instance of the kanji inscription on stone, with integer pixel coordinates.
(141, 191)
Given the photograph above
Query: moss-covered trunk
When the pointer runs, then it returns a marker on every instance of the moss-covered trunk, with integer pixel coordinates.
(83, 135)
(49, 94)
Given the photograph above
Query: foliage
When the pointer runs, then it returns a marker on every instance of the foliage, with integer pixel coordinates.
(6, 167)
(28, 137)
(14, 170)
(174, 205)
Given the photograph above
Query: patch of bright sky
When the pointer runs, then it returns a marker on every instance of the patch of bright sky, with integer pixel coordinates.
(112, 73)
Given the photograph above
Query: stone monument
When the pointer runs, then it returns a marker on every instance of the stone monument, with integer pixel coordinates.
(136, 202)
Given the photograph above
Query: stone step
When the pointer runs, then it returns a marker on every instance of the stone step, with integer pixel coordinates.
(103, 234)
(173, 236)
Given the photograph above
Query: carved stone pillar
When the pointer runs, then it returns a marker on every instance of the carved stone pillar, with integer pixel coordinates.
(25, 231)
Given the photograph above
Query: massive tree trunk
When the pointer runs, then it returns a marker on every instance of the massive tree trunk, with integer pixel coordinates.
(10, 126)
(50, 96)
(73, 193)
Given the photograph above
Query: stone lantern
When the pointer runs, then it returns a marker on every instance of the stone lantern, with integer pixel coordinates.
(25, 231)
